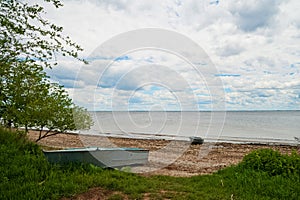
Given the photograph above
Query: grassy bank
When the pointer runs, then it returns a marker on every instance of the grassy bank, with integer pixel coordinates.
(26, 174)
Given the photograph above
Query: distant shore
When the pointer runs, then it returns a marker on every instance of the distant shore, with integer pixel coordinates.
(191, 162)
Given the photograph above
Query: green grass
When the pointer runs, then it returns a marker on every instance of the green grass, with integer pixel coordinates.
(26, 174)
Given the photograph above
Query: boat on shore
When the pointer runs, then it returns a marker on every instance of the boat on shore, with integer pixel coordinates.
(102, 157)
(196, 140)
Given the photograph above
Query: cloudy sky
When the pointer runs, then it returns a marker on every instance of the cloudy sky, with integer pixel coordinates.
(250, 54)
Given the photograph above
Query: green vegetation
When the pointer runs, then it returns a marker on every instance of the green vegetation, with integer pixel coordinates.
(25, 174)
(272, 162)
(29, 44)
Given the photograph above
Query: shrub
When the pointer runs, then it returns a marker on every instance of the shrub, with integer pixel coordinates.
(272, 162)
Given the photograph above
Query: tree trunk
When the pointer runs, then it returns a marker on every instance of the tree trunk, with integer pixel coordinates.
(9, 124)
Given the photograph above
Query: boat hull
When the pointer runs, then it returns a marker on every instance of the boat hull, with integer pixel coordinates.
(102, 157)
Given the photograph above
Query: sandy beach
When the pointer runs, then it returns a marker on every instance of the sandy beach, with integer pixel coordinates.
(174, 158)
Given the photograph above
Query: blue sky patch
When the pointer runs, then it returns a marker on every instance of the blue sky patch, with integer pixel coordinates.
(135, 100)
(121, 58)
(204, 102)
(228, 90)
(227, 75)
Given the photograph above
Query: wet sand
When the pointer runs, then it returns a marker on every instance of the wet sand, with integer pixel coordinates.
(174, 158)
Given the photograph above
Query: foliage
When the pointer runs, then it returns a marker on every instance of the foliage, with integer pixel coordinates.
(31, 100)
(28, 44)
(272, 162)
(22, 86)
(82, 118)
(25, 174)
(59, 114)
(24, 33)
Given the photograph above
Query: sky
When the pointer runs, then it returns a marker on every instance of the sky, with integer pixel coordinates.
(181, 55)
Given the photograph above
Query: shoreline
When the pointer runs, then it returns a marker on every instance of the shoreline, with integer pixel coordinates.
(193, 160)
(224, 139)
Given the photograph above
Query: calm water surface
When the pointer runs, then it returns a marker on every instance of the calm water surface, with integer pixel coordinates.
(253, 126)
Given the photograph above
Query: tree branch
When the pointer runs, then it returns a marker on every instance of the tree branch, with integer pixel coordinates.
(48, 135)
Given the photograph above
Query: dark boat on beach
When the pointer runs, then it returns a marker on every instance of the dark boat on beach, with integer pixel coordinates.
(196, 140)
(102, 157)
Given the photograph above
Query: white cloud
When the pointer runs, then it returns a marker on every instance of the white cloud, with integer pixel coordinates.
(256, 39)
(253, 14)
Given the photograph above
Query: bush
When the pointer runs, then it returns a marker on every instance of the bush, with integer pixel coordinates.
(272, 162)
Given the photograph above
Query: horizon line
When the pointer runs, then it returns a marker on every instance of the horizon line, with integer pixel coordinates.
(274, 110)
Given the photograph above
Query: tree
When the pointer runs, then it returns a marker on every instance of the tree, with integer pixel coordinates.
(33, 101)
(25, 34)
(60, 114)
(29, 43)
(22, 85)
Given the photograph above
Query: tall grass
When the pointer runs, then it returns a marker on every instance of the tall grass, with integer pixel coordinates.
(26, 174)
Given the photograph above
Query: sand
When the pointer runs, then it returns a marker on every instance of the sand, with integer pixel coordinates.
(174, 158)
